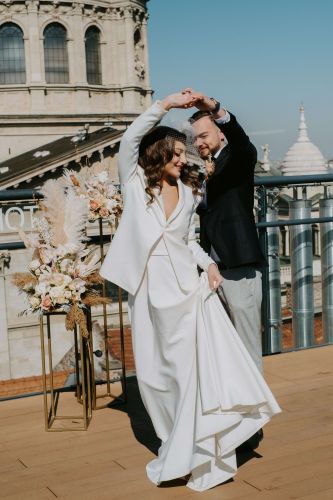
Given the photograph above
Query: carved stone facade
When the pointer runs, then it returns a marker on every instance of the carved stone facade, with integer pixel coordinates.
(38, 111)
(107, 81)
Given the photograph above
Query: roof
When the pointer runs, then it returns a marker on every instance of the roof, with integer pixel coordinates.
(49, 156)
(303, 157)
(262, 172)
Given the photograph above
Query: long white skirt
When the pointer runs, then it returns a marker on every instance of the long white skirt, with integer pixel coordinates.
(202, 390)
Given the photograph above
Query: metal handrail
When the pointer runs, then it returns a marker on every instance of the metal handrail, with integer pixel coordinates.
(285, 180)
(20, 195)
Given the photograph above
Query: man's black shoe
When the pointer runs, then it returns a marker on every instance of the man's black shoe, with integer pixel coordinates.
(253, 442)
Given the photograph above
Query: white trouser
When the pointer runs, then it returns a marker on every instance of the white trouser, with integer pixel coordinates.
(241, 289)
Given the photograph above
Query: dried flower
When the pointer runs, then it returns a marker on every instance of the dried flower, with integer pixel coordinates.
(63, 270)
(101, 192)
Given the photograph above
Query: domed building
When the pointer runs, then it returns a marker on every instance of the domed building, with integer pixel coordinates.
(304, 157)
(64, 64)
(73, 76)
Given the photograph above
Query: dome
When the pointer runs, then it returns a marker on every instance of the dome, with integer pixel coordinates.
(303, 158)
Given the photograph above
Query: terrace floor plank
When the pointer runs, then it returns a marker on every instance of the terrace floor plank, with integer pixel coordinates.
(295, 460)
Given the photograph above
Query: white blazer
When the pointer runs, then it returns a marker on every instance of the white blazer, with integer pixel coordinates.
(142, 225)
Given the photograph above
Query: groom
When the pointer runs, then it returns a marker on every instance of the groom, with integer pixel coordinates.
(227, 225)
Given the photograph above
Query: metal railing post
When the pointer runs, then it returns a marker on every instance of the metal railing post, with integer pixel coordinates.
(301, 275)
(274, 323)
(263, 240)
(326, 236)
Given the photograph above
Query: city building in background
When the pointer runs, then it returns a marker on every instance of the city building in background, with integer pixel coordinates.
(64, 64)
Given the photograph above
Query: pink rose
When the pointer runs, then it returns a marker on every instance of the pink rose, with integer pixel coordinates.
(104, 212)
(94, 205)
(46, 302)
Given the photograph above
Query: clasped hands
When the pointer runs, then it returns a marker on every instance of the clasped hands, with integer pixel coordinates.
(188, 98)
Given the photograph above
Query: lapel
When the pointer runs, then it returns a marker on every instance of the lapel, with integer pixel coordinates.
(157, 207)
(180, 204)
(220, 161)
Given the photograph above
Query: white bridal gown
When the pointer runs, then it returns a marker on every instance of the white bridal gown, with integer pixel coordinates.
(202, 390)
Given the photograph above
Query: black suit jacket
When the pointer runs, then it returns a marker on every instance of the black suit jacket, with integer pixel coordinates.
(226, 219)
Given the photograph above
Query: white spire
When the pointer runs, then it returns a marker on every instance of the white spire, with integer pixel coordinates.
(303, 158)
(303, 130)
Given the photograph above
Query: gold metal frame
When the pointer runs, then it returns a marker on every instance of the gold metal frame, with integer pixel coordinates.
(83, 377)
(108, 392)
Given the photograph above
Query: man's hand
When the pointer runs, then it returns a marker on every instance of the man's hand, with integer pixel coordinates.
(179, 100)
(214, 277)
(204, 103)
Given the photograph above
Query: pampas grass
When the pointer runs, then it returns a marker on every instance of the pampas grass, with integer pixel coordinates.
(94, 279)
(23, 280)
(53, 205)
(66, 214)
(75, 219)
(92, 299)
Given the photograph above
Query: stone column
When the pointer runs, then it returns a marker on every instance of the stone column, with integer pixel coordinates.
(35, 77)
(145, 48)
(34, 43)
(77, 57)
(129, 33)
(76, 48)
(108, 48)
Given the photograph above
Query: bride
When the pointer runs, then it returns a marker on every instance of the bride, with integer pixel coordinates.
(200, 387)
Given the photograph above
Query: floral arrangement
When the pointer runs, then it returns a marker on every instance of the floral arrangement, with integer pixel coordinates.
(63, 270)
(96, 185)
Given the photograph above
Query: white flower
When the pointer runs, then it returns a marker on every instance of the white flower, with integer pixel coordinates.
(42, 288)
(78, 285)
(111, 204)
(59, 279)
(47, 254)
(102, 176)
(34, 301)
(111, 190)
(65, 265)
(34, 264)
(57, 294)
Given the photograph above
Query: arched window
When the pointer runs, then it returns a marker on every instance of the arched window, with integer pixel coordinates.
(12, 60)
(55, 54)
(93, 56)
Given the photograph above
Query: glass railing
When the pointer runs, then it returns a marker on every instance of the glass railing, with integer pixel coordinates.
(295, 225)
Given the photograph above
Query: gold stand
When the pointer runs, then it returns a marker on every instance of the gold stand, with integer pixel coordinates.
(83, 377)
(108, 393)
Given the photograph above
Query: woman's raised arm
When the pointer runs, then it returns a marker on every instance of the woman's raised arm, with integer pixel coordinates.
(130, 142)
(129, 145)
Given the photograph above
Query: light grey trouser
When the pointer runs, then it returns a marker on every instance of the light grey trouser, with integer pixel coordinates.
(241, 289)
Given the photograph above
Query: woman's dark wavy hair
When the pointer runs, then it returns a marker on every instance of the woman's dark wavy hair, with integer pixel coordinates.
(155, 151)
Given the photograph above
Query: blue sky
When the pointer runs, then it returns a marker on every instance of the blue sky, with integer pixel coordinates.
(261, 58)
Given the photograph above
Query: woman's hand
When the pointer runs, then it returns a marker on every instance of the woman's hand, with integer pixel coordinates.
(202, 102)
(214, 277)
(179, 100)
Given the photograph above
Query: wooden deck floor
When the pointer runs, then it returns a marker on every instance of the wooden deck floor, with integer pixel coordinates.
(108, 461)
